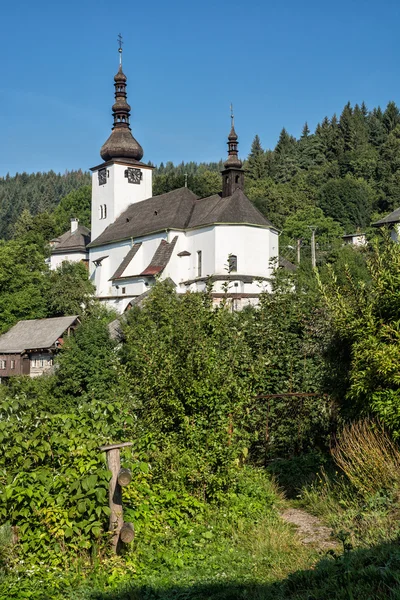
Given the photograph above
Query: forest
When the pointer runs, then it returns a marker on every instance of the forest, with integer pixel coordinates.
(236, 418)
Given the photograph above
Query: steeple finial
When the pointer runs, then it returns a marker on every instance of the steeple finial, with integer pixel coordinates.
(232, 117)
(121, 143)
(120, 42)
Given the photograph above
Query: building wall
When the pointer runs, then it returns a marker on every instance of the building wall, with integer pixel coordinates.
(40, 362)
(15, 364)
(57, 259)
(117, 194)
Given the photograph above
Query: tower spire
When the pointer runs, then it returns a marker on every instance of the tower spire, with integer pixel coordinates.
(233, 173)
(121, 143)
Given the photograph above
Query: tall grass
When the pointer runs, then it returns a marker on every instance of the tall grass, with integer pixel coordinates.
(368, 457)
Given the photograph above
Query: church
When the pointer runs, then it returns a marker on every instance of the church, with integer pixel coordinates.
(137, 238)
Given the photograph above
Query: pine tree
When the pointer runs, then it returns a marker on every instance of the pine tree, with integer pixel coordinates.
(306, 131)
(256, 163)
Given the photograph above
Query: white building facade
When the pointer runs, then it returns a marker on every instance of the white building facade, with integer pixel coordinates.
(138, 238)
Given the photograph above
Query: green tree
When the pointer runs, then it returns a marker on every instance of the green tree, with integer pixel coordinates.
(365, 348)
(76, 204)
(348, 201)
(256, 166)
(70, 291)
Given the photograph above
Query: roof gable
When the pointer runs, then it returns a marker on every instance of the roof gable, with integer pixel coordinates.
(70, 242)
(236, 209)
(35, 333)
(393, 217)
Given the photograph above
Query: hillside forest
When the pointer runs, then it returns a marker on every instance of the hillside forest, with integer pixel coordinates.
(236, 418)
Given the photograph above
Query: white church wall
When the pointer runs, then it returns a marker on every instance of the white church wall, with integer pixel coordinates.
(56, 260)
(114, 254)
(201, 240)
(178, 267)
(251, 245)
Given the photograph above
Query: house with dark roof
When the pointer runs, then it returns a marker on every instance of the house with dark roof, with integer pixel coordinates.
(29, 347)
(137, 237)
(392, 221)
(71, 246)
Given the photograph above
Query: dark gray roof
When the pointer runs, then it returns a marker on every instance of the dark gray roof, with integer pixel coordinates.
(284, 263)
(351, 235)
(181, 209)
(394, 217)
(126, 261)
(36, 333)
(161, 257)
(167, 211)
(237, 209)
(72, 242)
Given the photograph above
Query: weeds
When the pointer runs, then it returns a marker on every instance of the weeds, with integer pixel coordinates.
(368, 457)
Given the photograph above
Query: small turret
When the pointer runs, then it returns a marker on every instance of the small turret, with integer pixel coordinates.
(233, 174)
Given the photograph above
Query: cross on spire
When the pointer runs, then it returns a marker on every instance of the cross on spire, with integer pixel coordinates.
(232, 116)
(120, 42)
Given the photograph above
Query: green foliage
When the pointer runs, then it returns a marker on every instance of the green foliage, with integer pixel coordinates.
(365, 347)
(36, 193)
(297, 226)
(87, 366)
(70, 290)
(348, 201)
(53, 478)
(76, 204)
(23, 283)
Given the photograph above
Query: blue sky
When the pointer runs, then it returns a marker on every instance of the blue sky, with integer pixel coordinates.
(281, 63)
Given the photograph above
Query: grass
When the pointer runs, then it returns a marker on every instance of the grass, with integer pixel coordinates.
(242, 550)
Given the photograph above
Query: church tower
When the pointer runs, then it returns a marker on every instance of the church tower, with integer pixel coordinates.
(122, 179)
(233, 174)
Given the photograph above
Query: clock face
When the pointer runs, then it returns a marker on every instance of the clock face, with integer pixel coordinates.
(134, 175)
(102, 175)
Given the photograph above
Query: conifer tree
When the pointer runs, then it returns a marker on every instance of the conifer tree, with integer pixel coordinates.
(256, 163)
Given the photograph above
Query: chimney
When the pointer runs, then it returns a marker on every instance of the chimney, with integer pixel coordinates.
(74, 224)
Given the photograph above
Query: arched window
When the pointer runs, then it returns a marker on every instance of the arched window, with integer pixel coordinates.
(104, 211)
(237, 179)
(100, 211)
(232, 263)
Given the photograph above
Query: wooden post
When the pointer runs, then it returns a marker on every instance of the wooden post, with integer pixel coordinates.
(115, 492)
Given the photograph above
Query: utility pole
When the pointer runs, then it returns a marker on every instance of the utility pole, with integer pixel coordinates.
(313, 260)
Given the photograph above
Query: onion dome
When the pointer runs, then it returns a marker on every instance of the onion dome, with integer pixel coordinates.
(121, 143)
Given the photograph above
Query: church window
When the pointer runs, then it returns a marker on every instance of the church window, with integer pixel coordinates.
(3, 364)
(232, 263)
(199, 263)
(237, 179)
(104, 211)
(100, 211)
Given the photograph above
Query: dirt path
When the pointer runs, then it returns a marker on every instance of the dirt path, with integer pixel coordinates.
(309, 528)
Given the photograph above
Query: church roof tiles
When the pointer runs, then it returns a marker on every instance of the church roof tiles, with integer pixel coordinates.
(181, 209)
(71, 242)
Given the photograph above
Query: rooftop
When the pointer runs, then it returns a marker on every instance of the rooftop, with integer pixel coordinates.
(35, 334)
